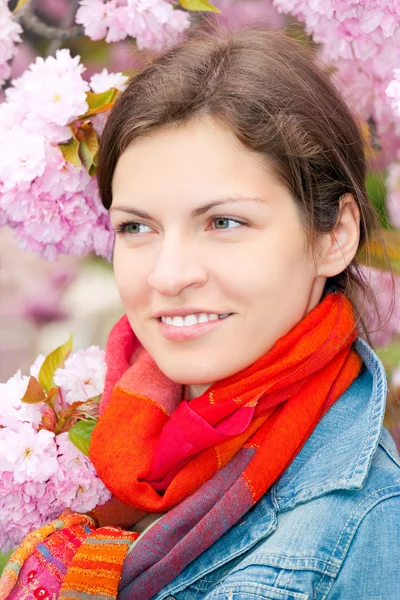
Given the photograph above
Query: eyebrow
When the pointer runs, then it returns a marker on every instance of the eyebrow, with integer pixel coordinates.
(197, 212)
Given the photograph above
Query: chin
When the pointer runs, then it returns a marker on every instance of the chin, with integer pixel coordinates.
(188, 377)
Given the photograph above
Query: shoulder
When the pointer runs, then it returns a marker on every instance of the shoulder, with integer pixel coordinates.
(342, 545)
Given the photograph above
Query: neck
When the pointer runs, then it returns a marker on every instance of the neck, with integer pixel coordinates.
(193, 391)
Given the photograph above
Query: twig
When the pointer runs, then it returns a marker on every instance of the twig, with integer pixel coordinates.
(28, 19)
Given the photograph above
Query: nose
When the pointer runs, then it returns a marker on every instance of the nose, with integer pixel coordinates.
(178, 266)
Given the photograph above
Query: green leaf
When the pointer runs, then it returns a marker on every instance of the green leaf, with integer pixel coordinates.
(98, 103)
(70, 151)
(376, 189)
(34, 392)
(81, 434)
(52, 362)
(200, 5)
(20, 4)
(88, 148)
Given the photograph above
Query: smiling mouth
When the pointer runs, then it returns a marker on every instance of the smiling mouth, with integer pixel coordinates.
(192, 320)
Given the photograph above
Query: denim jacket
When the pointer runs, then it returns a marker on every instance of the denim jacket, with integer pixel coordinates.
(329, 527)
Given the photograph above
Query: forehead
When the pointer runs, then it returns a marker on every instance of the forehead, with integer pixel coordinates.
(194, 155)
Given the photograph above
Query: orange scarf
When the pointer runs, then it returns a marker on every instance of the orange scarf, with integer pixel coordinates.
(153, 450)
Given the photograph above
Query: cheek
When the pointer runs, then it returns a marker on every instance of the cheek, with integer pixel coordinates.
(130, 279)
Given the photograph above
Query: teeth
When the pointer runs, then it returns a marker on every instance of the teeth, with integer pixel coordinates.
(190, 319)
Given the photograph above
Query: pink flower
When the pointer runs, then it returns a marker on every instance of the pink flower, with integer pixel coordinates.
(13, 412)
(154, 23)
(30, 455)
(362, 41)
(83, 375)
(10, 32)
(81, 488)
(101, 82)
(52, 89)
(20, 162)
(42, 474)
(97, 18)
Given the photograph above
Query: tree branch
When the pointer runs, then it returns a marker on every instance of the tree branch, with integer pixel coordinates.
(29, 20)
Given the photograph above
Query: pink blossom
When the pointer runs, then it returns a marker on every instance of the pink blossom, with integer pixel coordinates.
(101, 82)
(77, 479)
(50, 220)
(362, 41)
(52, 89)
(42, 474)
(52, 205)
(153, 23)
(10, 32)
(83, 375)
(23, 508)
(97, 17)
(12, 410)
(20, 162)
(29, 454)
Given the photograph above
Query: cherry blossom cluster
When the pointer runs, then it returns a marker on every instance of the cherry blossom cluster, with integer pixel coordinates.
(52, 204)
(10, 32)
(41, 472)
(362, 40)
(153, 23)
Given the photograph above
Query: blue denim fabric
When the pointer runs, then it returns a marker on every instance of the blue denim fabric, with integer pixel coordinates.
(329, 527)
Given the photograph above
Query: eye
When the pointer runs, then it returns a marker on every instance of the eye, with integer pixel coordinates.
(223, 223)
(130, 227)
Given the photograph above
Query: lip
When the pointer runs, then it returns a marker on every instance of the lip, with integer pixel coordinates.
(191, 332)
(184, 312)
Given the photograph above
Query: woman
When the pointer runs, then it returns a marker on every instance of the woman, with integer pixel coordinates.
(241, 426)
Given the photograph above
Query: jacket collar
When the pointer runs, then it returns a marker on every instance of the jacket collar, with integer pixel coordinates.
(339, 452)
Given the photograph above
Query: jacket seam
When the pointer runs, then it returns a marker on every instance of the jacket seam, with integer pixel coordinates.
(323, 571)
(284, 592)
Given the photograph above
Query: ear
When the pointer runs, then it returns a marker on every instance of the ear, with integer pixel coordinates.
(338, 247)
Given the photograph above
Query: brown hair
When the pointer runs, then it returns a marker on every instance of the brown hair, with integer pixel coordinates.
(269, 91)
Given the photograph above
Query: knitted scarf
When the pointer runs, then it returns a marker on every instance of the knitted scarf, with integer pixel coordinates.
(207, 461)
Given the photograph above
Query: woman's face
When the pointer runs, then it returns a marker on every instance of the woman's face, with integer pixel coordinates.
(204, 228)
